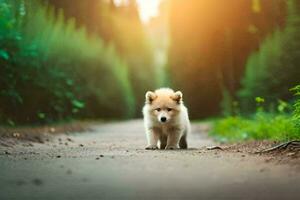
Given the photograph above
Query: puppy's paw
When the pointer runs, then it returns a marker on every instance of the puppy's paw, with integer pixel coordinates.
(171, 147)
(151, 147)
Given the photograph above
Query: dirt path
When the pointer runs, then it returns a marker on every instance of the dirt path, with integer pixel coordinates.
(111, 163)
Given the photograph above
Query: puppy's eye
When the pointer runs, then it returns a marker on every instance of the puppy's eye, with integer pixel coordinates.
(169, 109)
(158, 109)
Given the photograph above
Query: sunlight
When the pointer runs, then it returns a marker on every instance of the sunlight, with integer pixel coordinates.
(148, 9)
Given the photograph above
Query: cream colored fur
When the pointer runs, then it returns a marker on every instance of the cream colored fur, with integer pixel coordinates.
(166, 119)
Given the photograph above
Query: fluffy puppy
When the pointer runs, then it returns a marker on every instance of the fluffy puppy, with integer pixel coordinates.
(166, 120)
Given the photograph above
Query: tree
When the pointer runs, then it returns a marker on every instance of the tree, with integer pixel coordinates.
(121, 27)
(210, 44)
(51, 70)
(274, 69)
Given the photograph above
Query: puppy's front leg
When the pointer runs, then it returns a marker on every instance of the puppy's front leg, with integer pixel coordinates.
(173, 140)
(152, 138)
(163, 141)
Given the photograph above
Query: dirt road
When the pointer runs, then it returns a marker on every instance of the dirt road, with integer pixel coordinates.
(110, 163)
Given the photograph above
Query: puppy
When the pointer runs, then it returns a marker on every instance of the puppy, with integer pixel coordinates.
(166, 120)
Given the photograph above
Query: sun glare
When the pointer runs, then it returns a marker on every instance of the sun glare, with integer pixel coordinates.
(148, 9)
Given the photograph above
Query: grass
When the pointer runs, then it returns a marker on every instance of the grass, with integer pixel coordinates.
(280, 127)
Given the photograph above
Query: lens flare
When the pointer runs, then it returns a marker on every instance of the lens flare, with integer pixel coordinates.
(148, 9)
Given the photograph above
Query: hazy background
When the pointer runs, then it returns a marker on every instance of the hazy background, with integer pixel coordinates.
(95, 59)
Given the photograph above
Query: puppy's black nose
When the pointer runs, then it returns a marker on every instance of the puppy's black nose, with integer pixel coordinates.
(163, 119)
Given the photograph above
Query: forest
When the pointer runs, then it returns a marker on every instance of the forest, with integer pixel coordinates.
(236, 62)
(78, 119)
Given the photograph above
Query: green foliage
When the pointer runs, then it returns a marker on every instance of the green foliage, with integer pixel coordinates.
(274, 69)
(210, 43)
(269, 74)
(54, 70)
(229, 107)
(121, 26)
(226, 104)
(261, 126)
(296, 113)
(259, 69)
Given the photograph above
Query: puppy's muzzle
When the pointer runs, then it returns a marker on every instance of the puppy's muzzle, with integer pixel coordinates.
(163, 119)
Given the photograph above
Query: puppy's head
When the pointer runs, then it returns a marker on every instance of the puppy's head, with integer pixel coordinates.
(164, 104)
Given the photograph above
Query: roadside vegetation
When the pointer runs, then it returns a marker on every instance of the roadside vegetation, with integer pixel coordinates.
(54, 68)
(62, 60)
(270, 73)
(280, 125)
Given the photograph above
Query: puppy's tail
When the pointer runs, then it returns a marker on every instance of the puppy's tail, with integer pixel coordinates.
(183, 143)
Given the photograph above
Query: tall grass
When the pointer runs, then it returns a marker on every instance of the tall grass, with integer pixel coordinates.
(55, 71)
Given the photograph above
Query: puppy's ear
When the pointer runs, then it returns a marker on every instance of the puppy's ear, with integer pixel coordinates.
(150, 96)
(177, 96)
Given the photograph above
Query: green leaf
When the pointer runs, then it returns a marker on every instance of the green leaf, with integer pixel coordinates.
(70, 82)
(259, 100)
(282, 106)
(41, 115)
(78, 104)
(4, 54)
(11, 122)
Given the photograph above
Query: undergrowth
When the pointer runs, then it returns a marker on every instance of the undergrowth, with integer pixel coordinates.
(280, 126)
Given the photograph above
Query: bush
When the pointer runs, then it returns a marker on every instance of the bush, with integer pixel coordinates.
(54, 71)
(274, 69)
(120, 25)
(259, 69)
(262, 125)
(296, 113)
